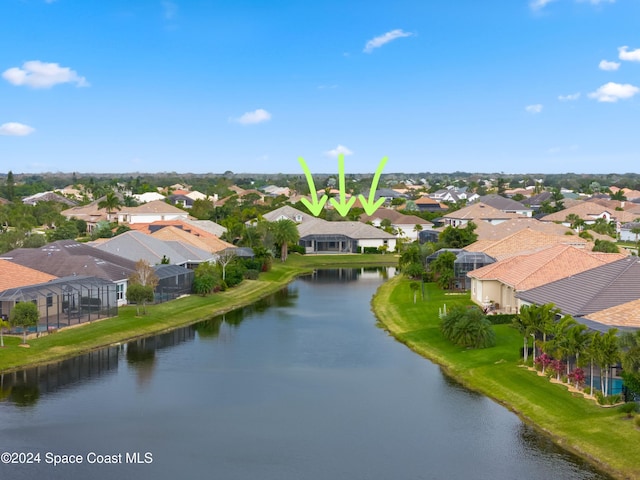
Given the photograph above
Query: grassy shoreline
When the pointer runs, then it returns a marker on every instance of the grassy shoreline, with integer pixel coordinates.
(601, 436)
(167, 316)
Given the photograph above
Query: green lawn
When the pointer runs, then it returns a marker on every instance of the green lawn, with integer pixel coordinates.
(180, 312)
(601, 435)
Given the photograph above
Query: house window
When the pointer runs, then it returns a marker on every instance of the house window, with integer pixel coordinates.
(385, 242)
(49, 300)
(120, 291)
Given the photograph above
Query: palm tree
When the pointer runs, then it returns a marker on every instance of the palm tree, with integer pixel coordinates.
(524, 323)
(593, 347)
(578, 337)
(559, 346)
(542, 318)
(636, 230)
(110, 202)
(607, 355)
(285, 232)
(630, 343)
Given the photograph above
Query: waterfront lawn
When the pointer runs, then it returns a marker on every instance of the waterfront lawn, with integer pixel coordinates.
(183, 311)
(598, 434)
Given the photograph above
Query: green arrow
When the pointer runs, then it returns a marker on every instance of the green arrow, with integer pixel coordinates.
(343, 206)
(370, 205)
(315, 206)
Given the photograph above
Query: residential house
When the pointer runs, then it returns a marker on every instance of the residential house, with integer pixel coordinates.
(476, 213)
(499, 282)
(320, 236)
(506, 205)
(156, 210)
(68, 258)
(65, 301)
(13, 275)
(428, 204)
(47, 197)
(147, 197)
(524, 241)
(590, 211)
(489, 231)
(192, 236)
(135, 246)
(407, 226)
(584, 294)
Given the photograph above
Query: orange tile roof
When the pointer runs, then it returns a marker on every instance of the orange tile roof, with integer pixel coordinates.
(480, 211)
(13, 275)
(523, 272)
(523, 241)
(487, 231)
(624, 315)
(210, 242)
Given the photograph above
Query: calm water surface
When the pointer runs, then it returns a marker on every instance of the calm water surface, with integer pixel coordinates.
(299, 386)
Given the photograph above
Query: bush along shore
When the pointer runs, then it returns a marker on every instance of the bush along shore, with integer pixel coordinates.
(166, 316)
(606, 437)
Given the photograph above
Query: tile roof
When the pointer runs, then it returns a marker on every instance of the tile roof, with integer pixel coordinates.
(210, 243)
(590, 291)
(480, 211)
(136, 246)
(625, 315)
(155, 206)
(502, 203)
(523, 241)
(66, 258)
(524, 272)
(395, 217)
(13, 275)
(590, 210)
(487, 231)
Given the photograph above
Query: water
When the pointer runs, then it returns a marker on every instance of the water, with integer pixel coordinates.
(300, 386)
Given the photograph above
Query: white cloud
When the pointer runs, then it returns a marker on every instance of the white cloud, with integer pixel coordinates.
(340, 149)
(169, 9)
(612, 92)
(37, 74)
(377, 42)
(608, 66)
(539, 4)
(15, 129)
(537, 108)
(630, 56)
(596, 2)
(569, 98)
(257, 116)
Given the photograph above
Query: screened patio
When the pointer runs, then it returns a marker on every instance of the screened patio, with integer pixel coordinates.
(65, 301)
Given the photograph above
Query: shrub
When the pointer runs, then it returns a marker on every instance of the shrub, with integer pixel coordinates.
(370, 250)
(629, 409)
(501, 319)
(600, 398)
(252, 274)
(297, 249)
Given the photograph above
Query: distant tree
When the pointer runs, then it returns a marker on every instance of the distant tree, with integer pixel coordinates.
(636, 231)
(224, 259)
(25, 315)
(605, 246)
(285, 233)
(619, 195)
(110, 203)
(11, 186)
(456, 237)
(67, 230)
(575, 222)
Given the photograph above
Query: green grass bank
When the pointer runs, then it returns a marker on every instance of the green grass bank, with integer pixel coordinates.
(603, 436)
(166, 316)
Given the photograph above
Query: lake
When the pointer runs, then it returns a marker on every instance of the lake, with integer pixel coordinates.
(301, 385)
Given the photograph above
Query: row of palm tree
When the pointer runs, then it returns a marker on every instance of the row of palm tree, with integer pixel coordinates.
(561, 337)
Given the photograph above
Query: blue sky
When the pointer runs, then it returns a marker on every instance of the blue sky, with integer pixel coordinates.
(514, 86)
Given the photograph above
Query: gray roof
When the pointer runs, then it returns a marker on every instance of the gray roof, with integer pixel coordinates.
(31, 292)
(207, 226)
(135, 246)
(502, 203)
(169, 271)
(66, 258)
(591, 291)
